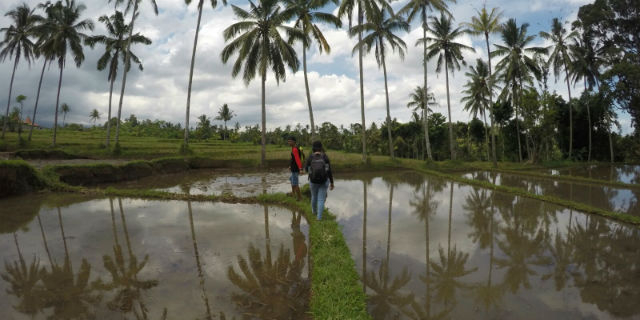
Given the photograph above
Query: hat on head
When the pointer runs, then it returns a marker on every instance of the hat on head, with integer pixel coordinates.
(292, 138)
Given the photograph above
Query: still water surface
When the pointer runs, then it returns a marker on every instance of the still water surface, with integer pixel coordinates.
(624, 173)
(432, 249)
(216, 182)
(604, 197)
(77, 258)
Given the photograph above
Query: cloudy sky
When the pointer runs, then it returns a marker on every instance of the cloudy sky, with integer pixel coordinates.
(160, 91)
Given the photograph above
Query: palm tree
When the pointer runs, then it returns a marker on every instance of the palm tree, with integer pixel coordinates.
(17, 42)
(417, 102)
(381, 28)
(64, 108)
(94, 116)
(413, 9)
(585, 67)
(225, 114)
(306, 16)
(487, 23)
(214, 4)
(477, 95)
(114, 42)
(42, 33)
(127, 53)
(20, 99)
(65, 30)
(516, 67)
(450, 53)
(364, 9)
(257, 41)
(560, 59)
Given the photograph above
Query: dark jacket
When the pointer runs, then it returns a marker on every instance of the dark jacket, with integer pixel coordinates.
(295, 164)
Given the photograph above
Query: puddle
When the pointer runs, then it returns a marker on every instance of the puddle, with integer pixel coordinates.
(123, 258)
(431, 249)
(216, 182)
(604, 197)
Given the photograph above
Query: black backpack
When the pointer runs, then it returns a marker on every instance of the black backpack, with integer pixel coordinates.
(319, 168)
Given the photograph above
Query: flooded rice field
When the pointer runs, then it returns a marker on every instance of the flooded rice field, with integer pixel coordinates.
(216, 182)
(425, 248)
(69, 257)
(604, 197)
(431, 249)
(616, 173)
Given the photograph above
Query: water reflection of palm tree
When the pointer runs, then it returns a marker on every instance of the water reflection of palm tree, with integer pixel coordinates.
(205, 299)
(386, 291)
(24, 283)
(424, 208)
(481, 210)
(272, 289)
(364, 237)
(450, 267)
(124, 274)
(522, 246)
(70, 295)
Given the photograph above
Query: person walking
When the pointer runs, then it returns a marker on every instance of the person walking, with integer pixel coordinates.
(295, 166)
(320, 178)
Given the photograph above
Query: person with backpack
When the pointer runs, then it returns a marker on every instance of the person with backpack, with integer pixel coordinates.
(295, 166)
(320, 178)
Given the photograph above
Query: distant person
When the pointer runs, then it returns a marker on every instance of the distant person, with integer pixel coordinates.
(295, 166)
(320, 178)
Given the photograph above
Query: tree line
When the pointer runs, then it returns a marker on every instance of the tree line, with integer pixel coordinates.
(600, 51)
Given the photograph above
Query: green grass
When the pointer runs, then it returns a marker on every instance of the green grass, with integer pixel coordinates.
(90, 143)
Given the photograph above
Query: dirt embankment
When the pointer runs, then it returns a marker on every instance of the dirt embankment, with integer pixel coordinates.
(18, 177)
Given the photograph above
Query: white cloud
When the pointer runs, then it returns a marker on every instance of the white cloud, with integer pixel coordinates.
(161, 90)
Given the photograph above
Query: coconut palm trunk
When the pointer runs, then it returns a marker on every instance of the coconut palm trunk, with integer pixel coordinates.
(263, 152)
(55, 121)
(109, 115)
(386, 91)
(35, 108)
(306, 86)
(451, 147)
(493, 121)
(486, 131)
(13, 74)
(427, 255)
(364, 124)
(589, 123)
(425, 111)
(570, 112)
(193, 61)
(125, 71)
(515, 105)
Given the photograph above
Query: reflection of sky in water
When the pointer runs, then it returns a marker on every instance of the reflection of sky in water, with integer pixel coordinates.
(522, 228)
(608, 198)
(620, 173)
(217, 182)
(161, 230)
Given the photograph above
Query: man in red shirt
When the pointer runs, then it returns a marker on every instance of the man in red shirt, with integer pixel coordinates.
(295, 166)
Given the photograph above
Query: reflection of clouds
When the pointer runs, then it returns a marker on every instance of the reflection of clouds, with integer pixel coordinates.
(161, 230)
(408, 245)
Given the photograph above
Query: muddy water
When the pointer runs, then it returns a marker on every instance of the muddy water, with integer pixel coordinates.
(432, 249)
(123, 258)
(604, 197)
(616, 173)
(216, 182)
